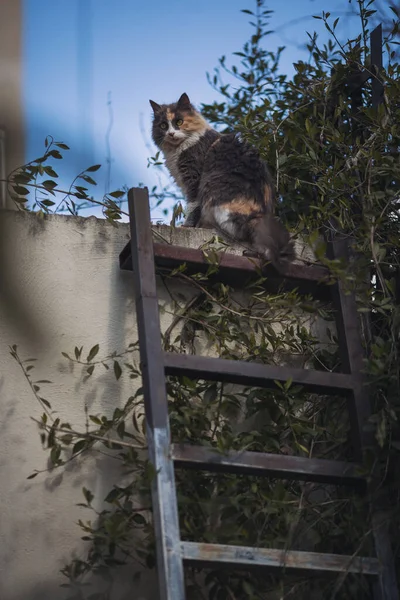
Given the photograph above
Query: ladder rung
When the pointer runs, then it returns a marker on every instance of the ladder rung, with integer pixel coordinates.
(254, 374)
(267, 465)
(265, 557)
(236, 270)
(172, 255)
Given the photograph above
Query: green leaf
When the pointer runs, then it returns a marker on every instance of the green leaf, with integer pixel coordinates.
(117, 194)
(139, 519)
(93, 168)
(288, 384)
(88, 179)
(20, 190)
(50, 171)
(93, 352)
(113, 495)
(79, 446)
(301, 447)
(55, 154)
(189, 383)
(248, 588)
(62, 146)
(117, 370)
(22, 178)
(55, 454)
(95, 419)
(49, 184)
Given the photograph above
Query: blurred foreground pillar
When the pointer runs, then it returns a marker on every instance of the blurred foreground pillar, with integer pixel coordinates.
(12, 135)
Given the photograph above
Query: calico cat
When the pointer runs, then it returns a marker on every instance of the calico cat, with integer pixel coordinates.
(226, 183)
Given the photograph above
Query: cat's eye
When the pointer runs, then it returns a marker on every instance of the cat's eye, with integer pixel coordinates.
(164, 126)
(179, 122)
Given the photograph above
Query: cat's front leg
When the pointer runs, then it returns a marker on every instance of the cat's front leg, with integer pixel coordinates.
(193, 215)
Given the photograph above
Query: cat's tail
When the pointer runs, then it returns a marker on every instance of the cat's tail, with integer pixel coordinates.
(261, 235)
(271, 240)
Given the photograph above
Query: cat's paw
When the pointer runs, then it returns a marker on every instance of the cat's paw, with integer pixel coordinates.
(251, 254)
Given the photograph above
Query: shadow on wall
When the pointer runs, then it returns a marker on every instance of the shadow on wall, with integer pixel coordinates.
(66, 290)
(124, 589)
(44, 592)
(15, 303)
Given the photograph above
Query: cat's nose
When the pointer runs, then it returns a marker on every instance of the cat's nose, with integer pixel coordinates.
(171, 134)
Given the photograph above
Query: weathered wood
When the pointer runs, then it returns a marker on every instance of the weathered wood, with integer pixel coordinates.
(266, 557)
(352, 357)
(255, 374)
(239, 271)
(267, 465)
(387, 585)
(351, 353)
(165, 510)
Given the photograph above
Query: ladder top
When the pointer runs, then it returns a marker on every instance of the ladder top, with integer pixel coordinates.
(239, 270)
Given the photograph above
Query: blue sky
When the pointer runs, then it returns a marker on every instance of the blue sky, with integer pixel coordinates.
(79, 54)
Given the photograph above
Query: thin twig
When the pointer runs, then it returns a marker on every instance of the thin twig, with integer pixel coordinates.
(216, 301)
(94, 436)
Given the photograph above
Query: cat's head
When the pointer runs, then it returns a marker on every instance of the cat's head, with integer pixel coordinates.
(175, 123)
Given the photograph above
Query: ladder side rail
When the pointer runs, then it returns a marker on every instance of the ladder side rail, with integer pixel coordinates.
(352, 354)
(164, 498)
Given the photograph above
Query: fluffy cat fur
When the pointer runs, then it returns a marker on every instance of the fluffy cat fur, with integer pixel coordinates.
(226, 184)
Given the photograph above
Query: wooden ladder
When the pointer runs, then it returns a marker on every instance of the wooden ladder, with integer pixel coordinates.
(172, 552)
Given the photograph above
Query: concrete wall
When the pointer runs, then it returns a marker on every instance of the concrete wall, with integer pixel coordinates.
(61, 287)
(67, 270)
(12, 137)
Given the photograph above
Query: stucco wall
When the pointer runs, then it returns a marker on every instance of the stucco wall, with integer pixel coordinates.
(61, 287)
(66, 269)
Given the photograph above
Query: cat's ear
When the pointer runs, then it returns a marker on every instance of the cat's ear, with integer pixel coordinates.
(184, 102)
(156, 107)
